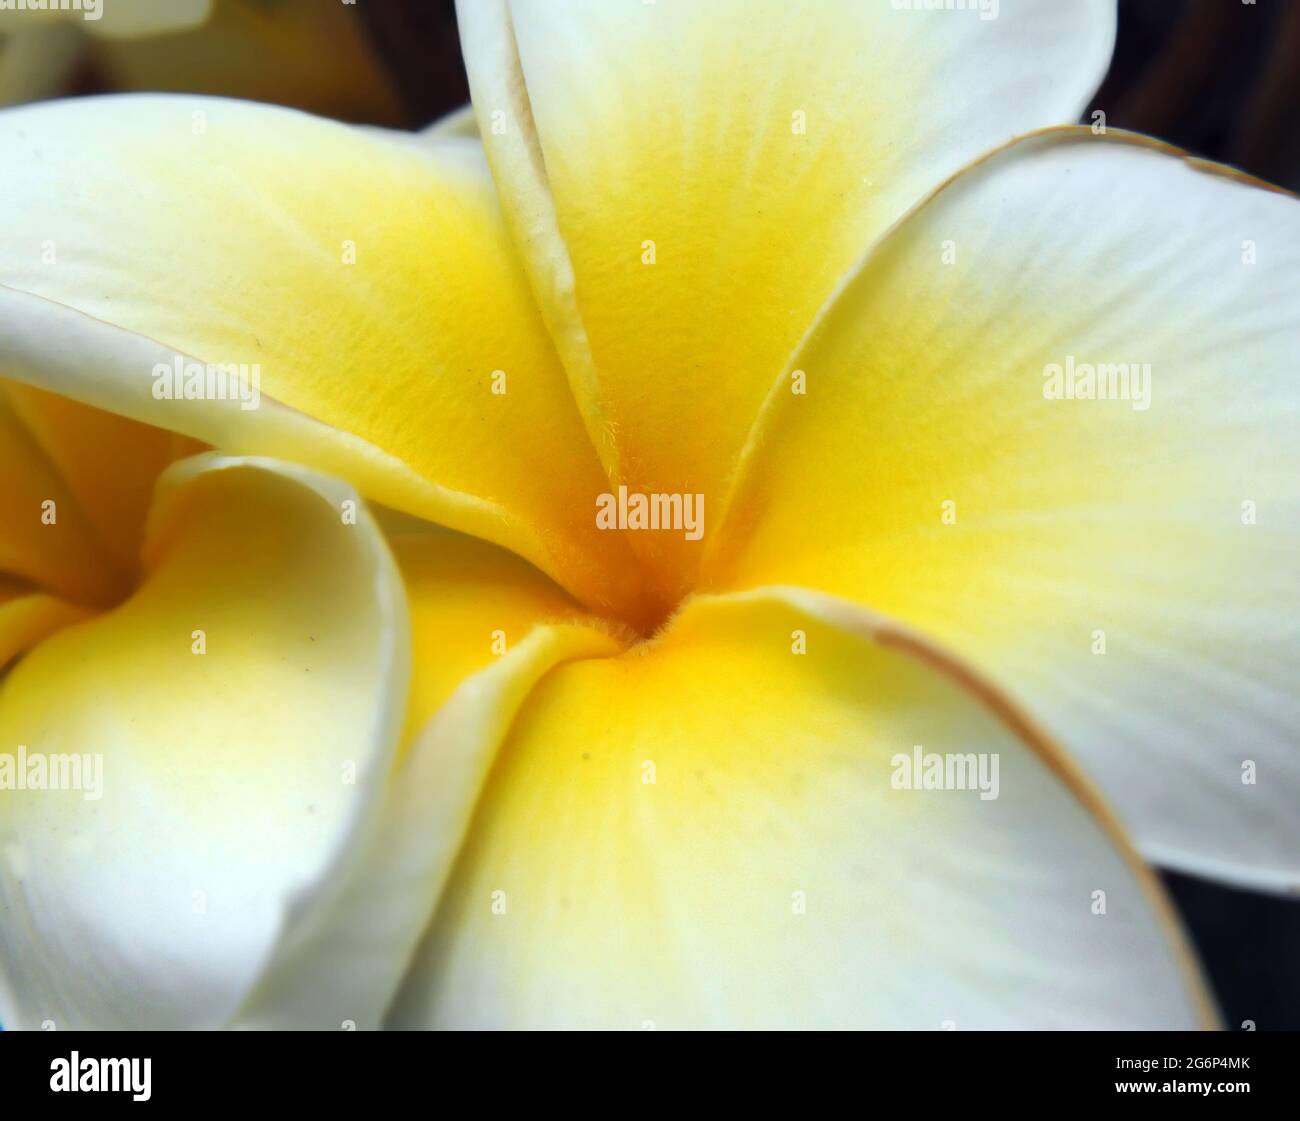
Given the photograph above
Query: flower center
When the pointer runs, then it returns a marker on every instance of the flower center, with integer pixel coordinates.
(663, 534)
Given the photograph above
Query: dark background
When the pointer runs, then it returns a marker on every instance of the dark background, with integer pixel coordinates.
(1220, 78)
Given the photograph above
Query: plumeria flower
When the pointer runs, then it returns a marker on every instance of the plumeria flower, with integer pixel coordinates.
(830, 295)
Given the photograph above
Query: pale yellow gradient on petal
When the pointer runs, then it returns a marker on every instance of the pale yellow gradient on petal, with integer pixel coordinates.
(397, 876)
(371, 282)
(26, 617)
(470, 603)
(691, 180)
(704, 832)
(245, 705)
(1127, 566)
(485, 628)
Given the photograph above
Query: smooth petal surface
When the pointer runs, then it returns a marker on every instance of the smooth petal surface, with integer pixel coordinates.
(485, 627)
(48, 538)
(689, 182)
(370, 281)
(27, 616)
(109, 464)
(470, 603)
(231, 783)
(704, 832)
(1126, 566)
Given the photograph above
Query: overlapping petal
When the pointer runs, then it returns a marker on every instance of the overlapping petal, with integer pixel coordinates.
(370, 282)
(27, 616)
(471, 603)
(705, 831)
(229, 731)
(1126, 566)
(689, 182)
(49, 539)
(486, 627)
(109, 464)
